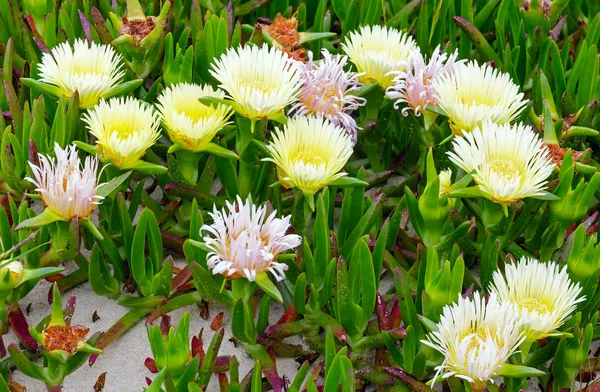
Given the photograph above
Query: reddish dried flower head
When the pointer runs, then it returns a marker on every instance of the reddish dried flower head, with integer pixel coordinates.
(285, 32)
(67, 339)
(138, 29)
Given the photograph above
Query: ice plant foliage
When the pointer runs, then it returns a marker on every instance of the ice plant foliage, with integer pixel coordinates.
(124, 129)
(245, 241)
(542, 294)
(309, 153)
(476, 338)
(474, 93)
(67, 187)
(91, 69)
(414, 85)
(327, 92)
(378, 51)
(508, 162)
(190, 123)
(261, 81)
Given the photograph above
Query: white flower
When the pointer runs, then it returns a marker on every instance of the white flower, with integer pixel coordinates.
(124, 128)
(189, 122)
(327, 92)
(309, 153)
(474, 93)
(476, 339)
(91, 69)
(244, 242)
(66, 188)
(508, 162)
(414, 86)
(377, 51)
(542, 293)
(261, 81)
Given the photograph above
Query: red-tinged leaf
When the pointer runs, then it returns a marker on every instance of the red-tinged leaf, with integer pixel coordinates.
(19, 324)
(468, 291)
(395, 314)
(222, 363)
(223, 382)
(290, 314)
(411, 381)
(101, 28)
(217, 322)
(382, 316)
(165, 324)
(172, 242)
(198, 346)
(181, 278)
(70, 309)
(151, 365)
(148, 381)
(32, 27)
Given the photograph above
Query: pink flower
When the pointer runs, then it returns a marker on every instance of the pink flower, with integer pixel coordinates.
(414, 85)
(326, 92)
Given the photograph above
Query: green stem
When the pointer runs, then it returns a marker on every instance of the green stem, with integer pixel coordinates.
(175, 303)
(247, 151)
(123, 325)
(188, 165)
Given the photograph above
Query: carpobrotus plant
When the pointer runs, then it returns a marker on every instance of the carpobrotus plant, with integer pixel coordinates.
(399, 195)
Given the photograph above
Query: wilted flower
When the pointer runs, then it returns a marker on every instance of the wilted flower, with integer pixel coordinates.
(309, 153)
(260, 81)
(286, 37)
(413, 86)
(508, 162)
(378, 50)
(476, 339)
(245, 242)
(327, 92)
(474, 93)
(91, 69)
(542, 293)
(60, 339)
(190, 123)
(124, 128)
(67, 188)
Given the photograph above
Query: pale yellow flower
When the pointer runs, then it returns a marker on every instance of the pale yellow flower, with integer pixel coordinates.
(260, 81)
(508, 162)
(542, 294)
(309, 153)
(124, 130)
(190, 123)
(473, 93)
(91, 69)
(476, 338)
(378, 52)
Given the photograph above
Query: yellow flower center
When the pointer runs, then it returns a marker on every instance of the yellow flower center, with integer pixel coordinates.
(505, 169)
(309, 157)
(475, 341)
(533, 305)
(260, 85)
